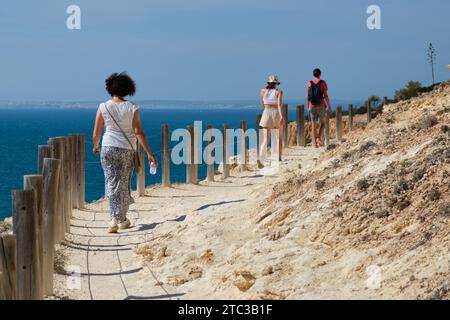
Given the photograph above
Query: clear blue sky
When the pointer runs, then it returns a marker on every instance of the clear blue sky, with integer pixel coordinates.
(218, 49)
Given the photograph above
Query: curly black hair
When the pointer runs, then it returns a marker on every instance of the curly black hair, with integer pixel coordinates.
(120, 84)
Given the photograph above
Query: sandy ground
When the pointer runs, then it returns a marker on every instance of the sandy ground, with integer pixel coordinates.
(365, 219)
(187, 234)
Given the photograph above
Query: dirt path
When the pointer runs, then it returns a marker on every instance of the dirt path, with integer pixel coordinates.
(193, 219)
(368, 220)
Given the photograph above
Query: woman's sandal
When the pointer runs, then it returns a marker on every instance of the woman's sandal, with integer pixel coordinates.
(124, 224)
(113, 227)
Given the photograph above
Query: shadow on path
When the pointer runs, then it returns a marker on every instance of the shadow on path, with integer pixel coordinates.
(217, 204)
(187, 196)
(255, 176)
(146, 227)
(90, 274)
(162, 296)
(96, 247)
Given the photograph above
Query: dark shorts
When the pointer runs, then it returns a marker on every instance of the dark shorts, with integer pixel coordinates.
(317, 113)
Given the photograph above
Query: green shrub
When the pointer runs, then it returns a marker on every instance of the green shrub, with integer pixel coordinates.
(411, 90)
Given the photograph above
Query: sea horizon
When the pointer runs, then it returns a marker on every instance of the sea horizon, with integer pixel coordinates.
(164, 104)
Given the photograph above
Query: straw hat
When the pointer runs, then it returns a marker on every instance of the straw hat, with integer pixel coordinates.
(273, 79)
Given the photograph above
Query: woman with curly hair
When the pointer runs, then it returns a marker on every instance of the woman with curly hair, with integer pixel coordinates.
(122, 123)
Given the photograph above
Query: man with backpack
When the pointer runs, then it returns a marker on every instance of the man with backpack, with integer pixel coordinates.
(318, 102)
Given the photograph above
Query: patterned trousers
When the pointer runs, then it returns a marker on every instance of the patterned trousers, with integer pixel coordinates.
(117, 164)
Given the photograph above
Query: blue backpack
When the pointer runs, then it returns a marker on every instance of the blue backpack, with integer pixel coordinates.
(315, 94)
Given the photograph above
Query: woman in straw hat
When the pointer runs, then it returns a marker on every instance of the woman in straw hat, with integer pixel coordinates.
(272, 117)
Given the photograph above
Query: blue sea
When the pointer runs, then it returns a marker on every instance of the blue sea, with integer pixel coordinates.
(25, 125)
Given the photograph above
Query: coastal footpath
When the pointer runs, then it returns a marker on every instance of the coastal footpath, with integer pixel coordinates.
(367, 218)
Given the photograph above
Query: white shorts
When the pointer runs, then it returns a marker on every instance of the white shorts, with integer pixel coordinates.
(270, 118)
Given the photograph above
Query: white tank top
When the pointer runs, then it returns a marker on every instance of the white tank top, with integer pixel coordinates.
(123, 114)
(270, 97)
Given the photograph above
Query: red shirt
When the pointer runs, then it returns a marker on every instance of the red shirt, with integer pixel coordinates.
(323, 87)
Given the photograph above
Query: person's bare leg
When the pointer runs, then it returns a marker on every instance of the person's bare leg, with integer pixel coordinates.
(263, 147)
(314, 134)
(320, 135)
(280, 142)
(260, 146)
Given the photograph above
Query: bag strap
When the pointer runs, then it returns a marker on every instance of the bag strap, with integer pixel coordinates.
(315, 84)
(123, 132)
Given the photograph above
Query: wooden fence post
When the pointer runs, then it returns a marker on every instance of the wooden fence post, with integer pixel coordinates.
(74, 172)
(165, 156)
(43, 152)
(226, 156)
(301, 139)
(327, 129)
(25, 229)
(57, 147)
(51, 172)
(368, 112)
(285, 125)
(67, 184)
(140, 181)
(258, 129)
(36, 183)
(8, 260)
(243, 146)
(339, 123)
(76, 168)
(73, 166)
(193, 149)
(210, 160)
(195, 153)
(190, 155)
(81, 171)
(350, 117)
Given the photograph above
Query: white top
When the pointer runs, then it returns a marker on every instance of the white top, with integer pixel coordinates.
(270, 97)
(123, 114)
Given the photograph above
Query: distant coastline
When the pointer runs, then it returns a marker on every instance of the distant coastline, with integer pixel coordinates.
(162, 104)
